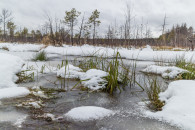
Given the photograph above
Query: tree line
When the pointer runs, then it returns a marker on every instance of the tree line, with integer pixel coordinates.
(75, 28)
(178, 36)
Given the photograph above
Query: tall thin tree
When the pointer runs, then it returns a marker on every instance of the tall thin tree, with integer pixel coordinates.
(71, 20)
(5, 18)
(94, 20)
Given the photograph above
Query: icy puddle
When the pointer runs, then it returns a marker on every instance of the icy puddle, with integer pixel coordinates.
(46, 107)
(14, 117)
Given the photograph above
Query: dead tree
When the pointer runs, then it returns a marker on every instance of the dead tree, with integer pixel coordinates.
(163, 29)
(81, 29)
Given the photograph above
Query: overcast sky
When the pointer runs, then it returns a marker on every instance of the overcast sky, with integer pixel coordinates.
(30, 13)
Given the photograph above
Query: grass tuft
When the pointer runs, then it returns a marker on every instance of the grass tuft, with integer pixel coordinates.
(153, 95)
(5, 48)
(189, 66)
(41, 56)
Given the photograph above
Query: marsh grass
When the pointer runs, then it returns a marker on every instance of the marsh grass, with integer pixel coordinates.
(113, 74)
(119, 75)
(41, 56)
(152, 90)
(167, 48)
(24, 77)
(5, 48)
(93, 63)
(189, 66)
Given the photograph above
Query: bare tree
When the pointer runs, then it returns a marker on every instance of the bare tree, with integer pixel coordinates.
(128, 22)
(81, 29)
(164, 28)
(5, 18)
(49, 23)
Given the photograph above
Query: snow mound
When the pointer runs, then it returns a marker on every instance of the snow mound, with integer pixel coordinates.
(87, 113)
(21, 47)
(179, 106)
(70, 71)
(148, 48)
(9, 66)
(13, 92)
(93, 79)
(170, 72)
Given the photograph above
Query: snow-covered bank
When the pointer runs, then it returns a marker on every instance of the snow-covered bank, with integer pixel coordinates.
(87, 113)
(9, 66)
(170, 72)
(13, 92)
(21, 47)
(139, 54)
(179, 106)
(147, 54)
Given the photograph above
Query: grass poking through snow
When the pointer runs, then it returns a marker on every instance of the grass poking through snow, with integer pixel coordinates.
(153, 90)
(41, 56)
(189, 66)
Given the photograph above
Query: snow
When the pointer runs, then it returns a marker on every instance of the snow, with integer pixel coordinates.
(146, 54)
(93, 79)
(170, 72)
(10, 66)
(87, 113)
(36, 91)
(20, 120)
(23, 55)
(70, 71)
(35, 104)
(179, 106)
(49, 115)
(14, 117)
(21, 47)
(85, 50)
(13, 92)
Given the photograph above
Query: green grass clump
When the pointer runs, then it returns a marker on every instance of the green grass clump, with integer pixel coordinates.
(153, 95)
(189, 66)
(93, 63)
(119, 75)
(113, 74)
(41, 56)
(117, 79)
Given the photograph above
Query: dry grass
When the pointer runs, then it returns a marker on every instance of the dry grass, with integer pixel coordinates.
(167, 48)
(153, 91)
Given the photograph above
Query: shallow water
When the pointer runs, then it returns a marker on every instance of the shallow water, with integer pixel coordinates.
(127, 117)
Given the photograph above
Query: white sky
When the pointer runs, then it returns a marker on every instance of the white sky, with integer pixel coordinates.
(30, 13)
